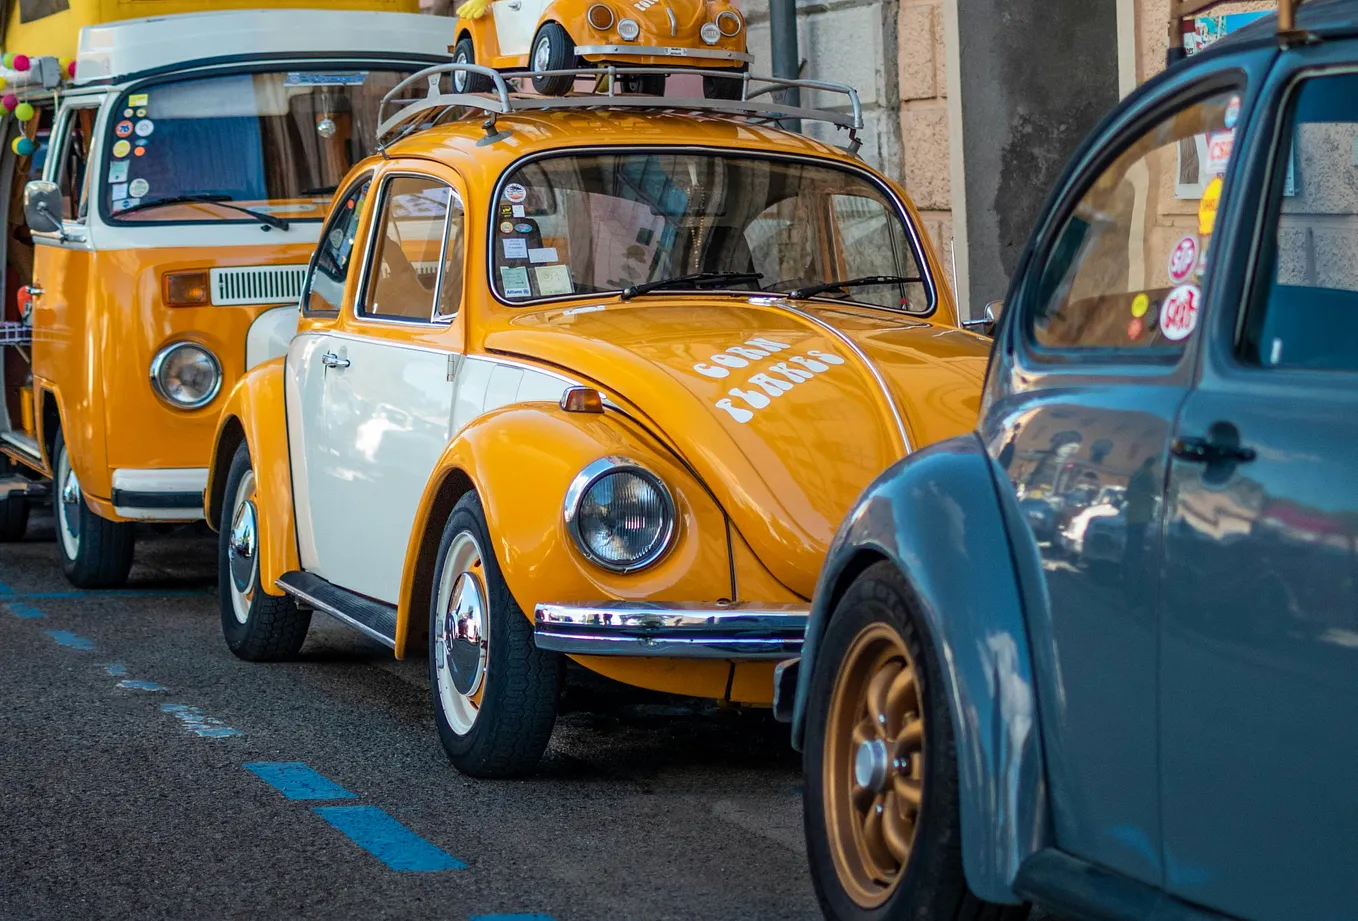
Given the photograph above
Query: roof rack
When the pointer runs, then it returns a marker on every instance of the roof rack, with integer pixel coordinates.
(756, 100)
(1180, 10)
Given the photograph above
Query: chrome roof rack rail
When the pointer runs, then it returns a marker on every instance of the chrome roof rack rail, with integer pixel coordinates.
(756, 103)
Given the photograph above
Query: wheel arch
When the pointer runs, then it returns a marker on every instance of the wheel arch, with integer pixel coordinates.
(50, 418)
(940, 520)
(446, 488)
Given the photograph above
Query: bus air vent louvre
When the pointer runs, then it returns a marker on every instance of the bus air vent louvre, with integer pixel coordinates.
(257, 284)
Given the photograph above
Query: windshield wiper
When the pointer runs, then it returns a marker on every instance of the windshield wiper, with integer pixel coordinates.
(223, 201)
(813, 290)
(700, 279)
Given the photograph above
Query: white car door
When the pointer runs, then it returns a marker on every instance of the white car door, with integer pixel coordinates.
(516, 21)
(387, 399)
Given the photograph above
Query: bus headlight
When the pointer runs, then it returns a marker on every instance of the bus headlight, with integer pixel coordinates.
(620, 515)
(186, 375)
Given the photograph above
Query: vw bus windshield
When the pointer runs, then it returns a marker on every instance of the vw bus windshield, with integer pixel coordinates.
(275, 142)
(585, 224)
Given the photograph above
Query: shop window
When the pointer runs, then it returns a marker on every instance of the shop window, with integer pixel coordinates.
(1125, 271)
(334, 255)
(406, 266)
(1305, 302)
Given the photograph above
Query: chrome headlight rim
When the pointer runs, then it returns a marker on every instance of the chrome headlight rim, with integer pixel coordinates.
(580, 487)
(158, 363)
(589, 17)
(727, 16)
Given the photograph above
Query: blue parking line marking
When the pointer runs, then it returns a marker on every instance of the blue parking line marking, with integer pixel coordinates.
(116, 669)
(387, 839)
(25, 611)
(5, 589)
(199, 724)
(297, 781)
(134, 685)
(70, 640)
(532, 917)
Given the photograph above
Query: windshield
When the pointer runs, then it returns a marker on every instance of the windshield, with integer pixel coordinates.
(276, 142)
(573, 225)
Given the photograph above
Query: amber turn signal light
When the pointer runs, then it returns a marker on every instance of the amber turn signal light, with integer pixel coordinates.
(582, 400)
(187, 289)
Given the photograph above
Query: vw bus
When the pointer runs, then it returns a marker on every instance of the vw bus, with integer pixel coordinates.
(163, 197)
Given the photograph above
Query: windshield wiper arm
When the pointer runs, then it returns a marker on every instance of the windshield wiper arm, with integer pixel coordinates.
(813, 290)
(697, 279)
(223, 201)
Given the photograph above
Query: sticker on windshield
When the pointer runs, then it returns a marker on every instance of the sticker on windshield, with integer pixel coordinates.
(126, 203)
(1184, 259)
(140, 151)
(1232, 111)
(1219, 147)
(526, 228)
(1135, 329)
(516, 248)
(546, 254)
(139, 99)
(1207, 209)
(515, 281)
(139, 188)
(141, 113)
(1140, 304)
(506, 227)
(144, 128)
(117, 172)
(515, 194)
(553, 280)
(1179, 316)
(122, 149)
(325, 78)
(118, 190)
(123, 129)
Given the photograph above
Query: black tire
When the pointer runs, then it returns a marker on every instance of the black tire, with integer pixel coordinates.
(13, 510)
(644, 84)
(95, 552)
(464, 52)
(725, 87)
(559, 54)
(274, 627)
(932, 884)
(521, 684)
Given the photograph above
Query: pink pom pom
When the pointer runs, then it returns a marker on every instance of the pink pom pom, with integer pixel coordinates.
(21, 62)
(70, 69)
(10, 102)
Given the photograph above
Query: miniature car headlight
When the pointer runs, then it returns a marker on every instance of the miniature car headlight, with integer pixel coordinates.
(600, 17)
(620, 516)
(186, 375)
(628, 30)
(729, 23)
(710, 33)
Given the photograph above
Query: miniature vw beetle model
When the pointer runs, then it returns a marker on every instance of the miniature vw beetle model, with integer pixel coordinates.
(559, 35)
(556, 393)
(1155, 721)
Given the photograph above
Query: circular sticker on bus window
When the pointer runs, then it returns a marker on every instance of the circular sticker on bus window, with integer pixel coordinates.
(506, 227)
(1179, 315)
(140, 151)
(515, 193)
(144, 128)
(138, 188)
(1140, 304)
(123, 129)
(1183, 259)
(122, 149)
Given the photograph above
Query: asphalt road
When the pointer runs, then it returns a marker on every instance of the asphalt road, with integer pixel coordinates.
(126, 726)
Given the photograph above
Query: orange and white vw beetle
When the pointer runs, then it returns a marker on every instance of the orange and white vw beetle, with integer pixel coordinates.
(582, 378)
(553, 37)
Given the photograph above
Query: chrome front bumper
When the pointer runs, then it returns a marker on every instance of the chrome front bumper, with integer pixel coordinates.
(661, 51)
(672, 630)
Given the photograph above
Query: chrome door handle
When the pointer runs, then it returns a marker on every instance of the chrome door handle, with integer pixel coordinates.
(331, 360)
(514, 4)
(1205, 451)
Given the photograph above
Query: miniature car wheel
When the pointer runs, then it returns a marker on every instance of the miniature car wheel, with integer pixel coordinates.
(495, 693)
(553, 49)
(258, 627)
(881, 811)
(95, 552)
(464, 52)
(13, 510)
(725, 87)
(644, 84)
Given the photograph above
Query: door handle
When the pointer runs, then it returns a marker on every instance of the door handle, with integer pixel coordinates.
(1210, 451)
(331, 360)
(514, 4)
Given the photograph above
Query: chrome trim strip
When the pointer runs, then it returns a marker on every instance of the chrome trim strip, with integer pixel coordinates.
(664, 51)
(679, 630)
(336, 613)
(674, 23)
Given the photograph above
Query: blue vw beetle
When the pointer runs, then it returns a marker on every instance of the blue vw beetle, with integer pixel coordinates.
(1101, 655)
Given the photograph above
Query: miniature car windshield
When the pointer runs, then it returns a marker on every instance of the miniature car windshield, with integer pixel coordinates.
(274, 143)
(576, 225)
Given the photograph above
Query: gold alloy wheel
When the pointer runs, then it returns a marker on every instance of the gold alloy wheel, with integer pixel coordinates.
(874, 765)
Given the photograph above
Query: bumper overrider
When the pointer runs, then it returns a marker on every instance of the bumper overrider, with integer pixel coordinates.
(676, 630)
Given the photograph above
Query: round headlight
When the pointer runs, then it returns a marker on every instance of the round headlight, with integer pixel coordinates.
(729, 23)
(600, 16)
(186, 375)
(628, 30)
(710, 33)
(621, 516)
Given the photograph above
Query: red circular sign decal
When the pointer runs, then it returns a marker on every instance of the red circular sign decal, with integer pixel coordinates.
(1183, 260)
(1179, 315)
(124, 129)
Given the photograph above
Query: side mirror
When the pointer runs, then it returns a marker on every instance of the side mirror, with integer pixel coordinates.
(42, 206)
(985, 324)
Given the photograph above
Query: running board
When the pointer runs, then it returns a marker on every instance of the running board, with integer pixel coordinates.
(373, 618)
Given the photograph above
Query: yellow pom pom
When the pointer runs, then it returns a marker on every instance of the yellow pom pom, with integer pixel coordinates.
(474, 9)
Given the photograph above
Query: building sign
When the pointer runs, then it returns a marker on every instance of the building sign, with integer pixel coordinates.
(29, 10)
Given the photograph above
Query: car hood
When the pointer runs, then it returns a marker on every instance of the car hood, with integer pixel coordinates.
(826, 399)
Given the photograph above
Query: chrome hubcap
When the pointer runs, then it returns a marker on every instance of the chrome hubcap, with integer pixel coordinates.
(460, 78)
(543, 55)
(464, 634)
(241, 547)
(870, 765)
(68, 511)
